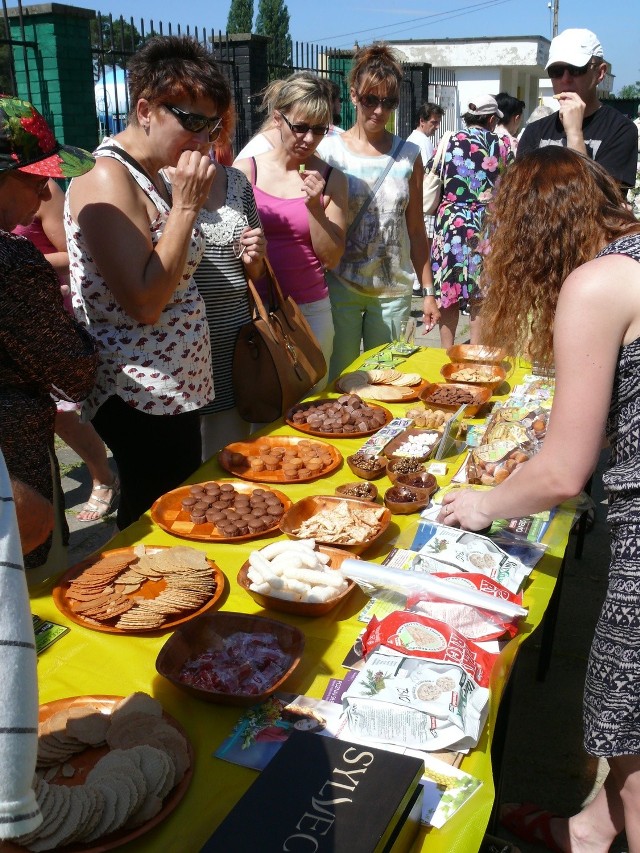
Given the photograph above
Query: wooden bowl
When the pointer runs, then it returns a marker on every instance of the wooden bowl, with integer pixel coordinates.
(476, 352)
(206, 632)
(371, 491)
(422, 481)
(390, 450)
(364, 473)
(418, 499)
(393, 473)
(481, 396)
(308, 507)
(495, 374)
(300, 608)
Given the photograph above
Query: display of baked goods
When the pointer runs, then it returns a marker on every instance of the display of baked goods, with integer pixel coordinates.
(108, 770)
(143, 588)
(220, 511)
(331, 520)
(387, 384)
(347, 415)
(450, 396)
(279, 459)
(428, 417)
(488, 375)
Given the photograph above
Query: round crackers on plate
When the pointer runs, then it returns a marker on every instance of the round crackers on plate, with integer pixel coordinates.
(95, 793)
(385, 384)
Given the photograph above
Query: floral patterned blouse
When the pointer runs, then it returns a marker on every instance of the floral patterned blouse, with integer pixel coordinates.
(473, 163)
(164, 368)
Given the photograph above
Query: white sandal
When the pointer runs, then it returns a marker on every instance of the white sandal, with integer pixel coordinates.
(98, 505)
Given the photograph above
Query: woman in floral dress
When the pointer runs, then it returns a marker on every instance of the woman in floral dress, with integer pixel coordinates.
(473, 161)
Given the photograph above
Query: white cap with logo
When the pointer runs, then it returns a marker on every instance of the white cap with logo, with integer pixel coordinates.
(574, 47)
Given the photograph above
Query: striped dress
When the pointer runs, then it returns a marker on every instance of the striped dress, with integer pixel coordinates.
(19, 812)
(611, 701)
(221, 282)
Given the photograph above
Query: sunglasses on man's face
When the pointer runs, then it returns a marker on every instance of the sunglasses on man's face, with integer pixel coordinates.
(302, 128)
(194, 123)
(372, 102)
(557, 71)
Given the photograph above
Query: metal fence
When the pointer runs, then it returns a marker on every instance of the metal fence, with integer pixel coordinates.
(115, 40)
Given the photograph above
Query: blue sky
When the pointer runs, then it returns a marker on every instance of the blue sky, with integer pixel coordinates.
(337, 23)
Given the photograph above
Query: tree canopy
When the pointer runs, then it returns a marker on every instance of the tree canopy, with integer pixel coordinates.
(273, 20)
(240, 18)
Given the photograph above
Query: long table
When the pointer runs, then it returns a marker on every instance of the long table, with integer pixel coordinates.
(89, 662)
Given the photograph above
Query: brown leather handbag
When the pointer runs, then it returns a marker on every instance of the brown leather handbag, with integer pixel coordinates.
(277, 359)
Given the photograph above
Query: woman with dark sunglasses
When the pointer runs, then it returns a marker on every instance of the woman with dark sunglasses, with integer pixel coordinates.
(133, 249)
(386, 248)
(302, 202)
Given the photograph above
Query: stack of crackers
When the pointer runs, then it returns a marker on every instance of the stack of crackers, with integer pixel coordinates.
(342, 524)
(111, 591)
(123, 789)
(380, 384)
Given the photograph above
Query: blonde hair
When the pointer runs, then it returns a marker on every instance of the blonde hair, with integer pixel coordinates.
(303, 91)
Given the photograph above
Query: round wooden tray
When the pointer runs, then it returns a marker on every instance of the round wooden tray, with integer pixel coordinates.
(149, 589)
(309, 431)
(252, 447)
(167, 513)
(410, 392)
(85, 760)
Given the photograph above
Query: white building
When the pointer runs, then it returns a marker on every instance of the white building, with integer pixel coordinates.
(488, 65)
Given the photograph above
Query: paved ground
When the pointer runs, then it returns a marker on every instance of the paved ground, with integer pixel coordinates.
(544, 761)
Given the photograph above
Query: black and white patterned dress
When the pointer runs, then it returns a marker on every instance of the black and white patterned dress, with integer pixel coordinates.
(612, 689)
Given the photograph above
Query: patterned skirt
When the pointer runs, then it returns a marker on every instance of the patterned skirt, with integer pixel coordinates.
(612, 687)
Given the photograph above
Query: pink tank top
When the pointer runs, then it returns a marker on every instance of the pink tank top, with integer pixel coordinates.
(36, 234)
(285, 222)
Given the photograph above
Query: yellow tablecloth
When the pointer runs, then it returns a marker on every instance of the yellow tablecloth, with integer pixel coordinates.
(89, 662)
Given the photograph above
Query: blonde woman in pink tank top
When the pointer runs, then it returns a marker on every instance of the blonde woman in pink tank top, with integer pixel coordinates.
(302, 202)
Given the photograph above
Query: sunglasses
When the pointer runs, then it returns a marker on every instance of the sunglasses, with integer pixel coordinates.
(557, 71)
(371, 102)
(303, 128)
(194, 123)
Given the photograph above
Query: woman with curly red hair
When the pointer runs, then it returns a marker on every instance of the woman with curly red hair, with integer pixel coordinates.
(561, 236)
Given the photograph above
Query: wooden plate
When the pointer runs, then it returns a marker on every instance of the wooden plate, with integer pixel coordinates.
(149, 589)
(85, 760)
(480, 393)
(493, 381)
(198, 636)
(252, 447)
(167, 513)
(310, 431)
(300, 608)
(305, 508)
(409, 392)
(476, 352)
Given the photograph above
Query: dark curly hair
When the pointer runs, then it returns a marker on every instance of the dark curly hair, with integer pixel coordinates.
(553, 211)
(175, 67)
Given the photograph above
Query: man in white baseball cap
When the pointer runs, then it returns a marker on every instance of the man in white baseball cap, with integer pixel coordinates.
(583, 123)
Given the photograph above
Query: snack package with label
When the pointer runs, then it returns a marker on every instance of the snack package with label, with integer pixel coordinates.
(490, 464)
(419, 636)
(425, 698)
(468, 552)
(474, 623)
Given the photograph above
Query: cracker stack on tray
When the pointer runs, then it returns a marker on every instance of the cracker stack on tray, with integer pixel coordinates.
(119, 791)
(384, 384)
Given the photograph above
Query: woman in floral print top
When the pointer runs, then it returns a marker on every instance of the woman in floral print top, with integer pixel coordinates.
(473, 162)
(133, 249)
